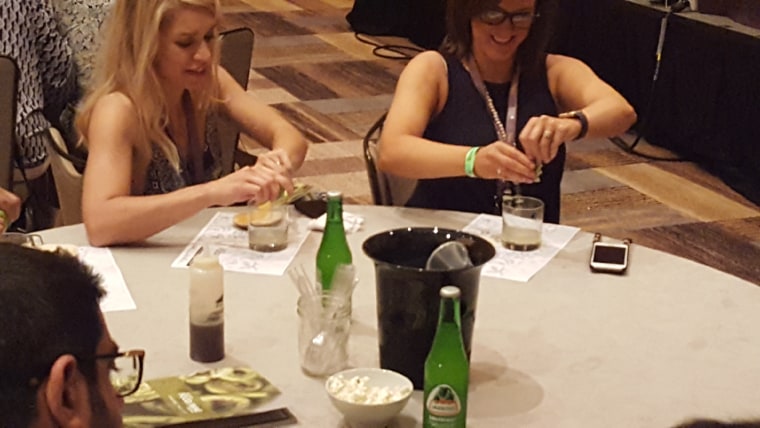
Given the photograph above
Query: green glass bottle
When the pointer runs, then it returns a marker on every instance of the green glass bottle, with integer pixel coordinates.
(447, 370)
(333, 250)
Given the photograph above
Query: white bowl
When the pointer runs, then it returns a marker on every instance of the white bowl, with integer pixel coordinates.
(368, 397)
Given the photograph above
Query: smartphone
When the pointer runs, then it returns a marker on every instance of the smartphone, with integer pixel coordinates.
(612, 258)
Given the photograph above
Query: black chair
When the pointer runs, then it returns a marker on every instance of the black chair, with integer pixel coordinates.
(9, 82)
(236, 55)
(387, 189)
(68, 179)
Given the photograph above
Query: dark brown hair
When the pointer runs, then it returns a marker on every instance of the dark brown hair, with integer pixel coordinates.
(532, 52)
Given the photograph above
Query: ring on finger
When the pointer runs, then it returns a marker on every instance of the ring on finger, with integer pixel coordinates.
(548, 135)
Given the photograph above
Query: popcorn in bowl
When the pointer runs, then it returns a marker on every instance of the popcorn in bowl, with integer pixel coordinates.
(356, 390)
(368, 397)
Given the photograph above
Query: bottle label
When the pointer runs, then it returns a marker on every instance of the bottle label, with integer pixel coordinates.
(443, 402)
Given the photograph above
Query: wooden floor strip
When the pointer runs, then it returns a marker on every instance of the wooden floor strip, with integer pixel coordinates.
(695, 201)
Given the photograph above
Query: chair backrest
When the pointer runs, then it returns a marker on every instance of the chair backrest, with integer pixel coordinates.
(9, 83)
(387, 189)
(68, 181)
(236, 55)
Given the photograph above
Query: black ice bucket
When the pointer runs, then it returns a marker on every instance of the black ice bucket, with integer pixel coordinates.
(408, 295)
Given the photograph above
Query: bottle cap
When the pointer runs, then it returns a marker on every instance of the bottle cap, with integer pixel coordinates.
(334, 194)
(450, 292)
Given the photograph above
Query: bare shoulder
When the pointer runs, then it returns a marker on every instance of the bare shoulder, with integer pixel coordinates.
(427, 63)
(114, 114)
(113, 106)
(424, 79)
(564, 71)
(560, 63)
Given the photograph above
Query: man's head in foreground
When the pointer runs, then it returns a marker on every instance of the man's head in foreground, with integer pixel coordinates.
(55, 349)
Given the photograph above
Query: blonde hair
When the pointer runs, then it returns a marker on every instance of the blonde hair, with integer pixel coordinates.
(126, 64)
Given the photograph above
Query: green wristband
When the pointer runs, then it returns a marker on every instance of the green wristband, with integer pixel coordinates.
(469, 162)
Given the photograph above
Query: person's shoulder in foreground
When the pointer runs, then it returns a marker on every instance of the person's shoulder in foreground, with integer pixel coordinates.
(53, 340)
(144, 121)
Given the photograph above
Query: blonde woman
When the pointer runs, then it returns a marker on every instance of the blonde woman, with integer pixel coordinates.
(157, 82)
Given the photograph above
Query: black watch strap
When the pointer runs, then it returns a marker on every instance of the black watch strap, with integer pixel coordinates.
(580, 117)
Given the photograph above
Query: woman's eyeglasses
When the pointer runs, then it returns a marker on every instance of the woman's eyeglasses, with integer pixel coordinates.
(498, 15)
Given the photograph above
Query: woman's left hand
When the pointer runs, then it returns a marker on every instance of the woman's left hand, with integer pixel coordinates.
(542, 136)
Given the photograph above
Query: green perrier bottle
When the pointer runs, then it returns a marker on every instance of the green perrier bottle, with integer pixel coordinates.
(447, 370)
(333, 250)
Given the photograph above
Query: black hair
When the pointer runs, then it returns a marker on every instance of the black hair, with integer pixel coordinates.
(49, 306)
(531, 55)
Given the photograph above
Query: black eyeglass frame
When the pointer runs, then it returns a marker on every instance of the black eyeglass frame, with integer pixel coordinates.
(136, 354)
(504, 15)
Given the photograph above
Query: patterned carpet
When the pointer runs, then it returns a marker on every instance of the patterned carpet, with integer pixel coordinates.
(308, 65)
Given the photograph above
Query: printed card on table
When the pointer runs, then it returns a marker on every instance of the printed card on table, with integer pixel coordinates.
(519, 265)
(118, 297)
(230, 243)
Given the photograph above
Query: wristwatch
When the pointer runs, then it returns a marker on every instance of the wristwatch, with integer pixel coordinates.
(580, 117)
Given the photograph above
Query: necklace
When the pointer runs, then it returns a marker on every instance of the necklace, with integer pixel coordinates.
(504, 131)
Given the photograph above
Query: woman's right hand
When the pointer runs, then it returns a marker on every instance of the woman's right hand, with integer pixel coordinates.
(10, 206)
(500, 160)
(259, 182)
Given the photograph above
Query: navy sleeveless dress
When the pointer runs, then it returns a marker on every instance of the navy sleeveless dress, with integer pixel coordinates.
(465, 121)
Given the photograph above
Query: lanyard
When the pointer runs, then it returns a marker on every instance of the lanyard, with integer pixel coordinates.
(506, 132)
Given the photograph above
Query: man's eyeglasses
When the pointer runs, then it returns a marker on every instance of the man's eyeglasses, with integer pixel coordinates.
(125, 370)
(497, 15)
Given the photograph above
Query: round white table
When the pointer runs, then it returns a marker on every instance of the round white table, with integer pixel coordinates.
(670, 340)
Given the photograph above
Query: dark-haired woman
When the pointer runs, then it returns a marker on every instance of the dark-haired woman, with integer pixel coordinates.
(492, 111)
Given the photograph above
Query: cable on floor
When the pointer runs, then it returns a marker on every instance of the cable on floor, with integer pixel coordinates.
(648, 109)
(398, 52)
